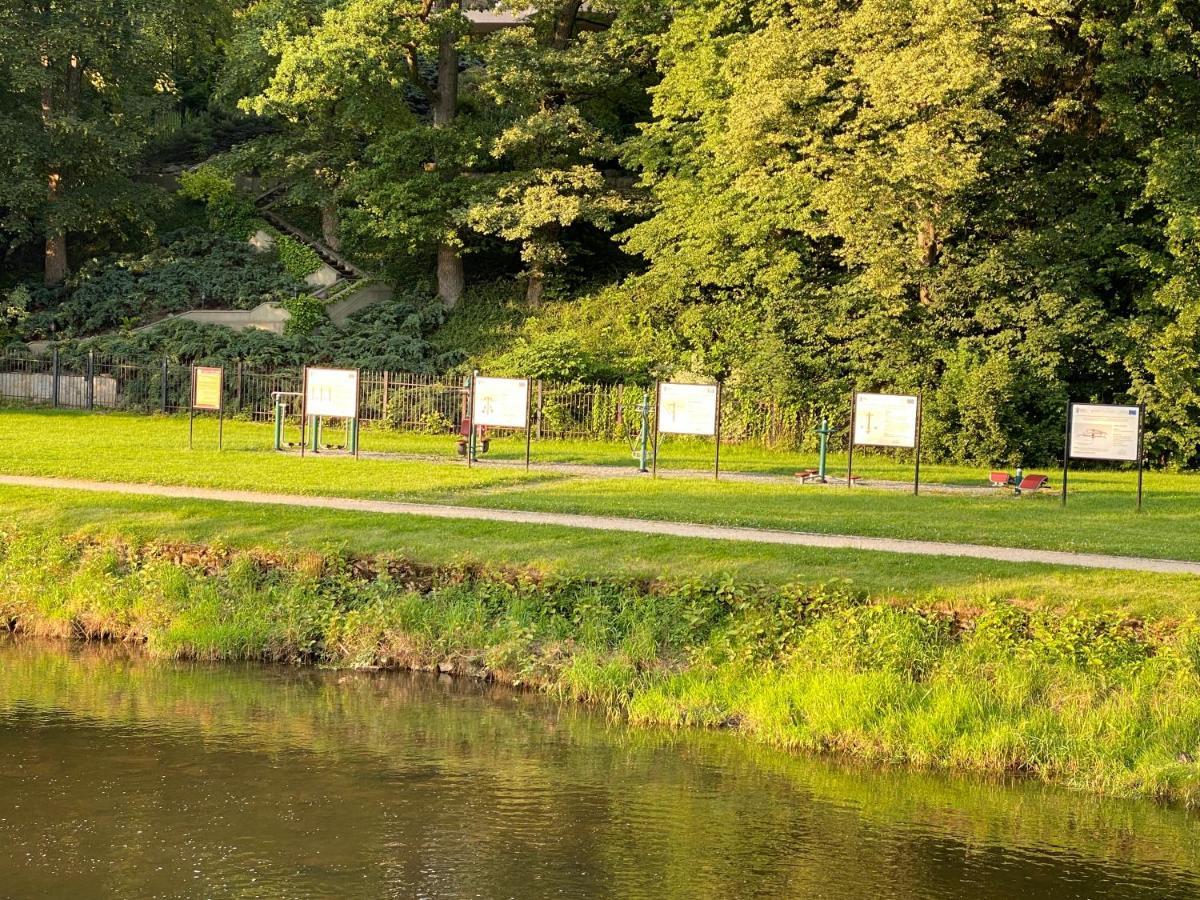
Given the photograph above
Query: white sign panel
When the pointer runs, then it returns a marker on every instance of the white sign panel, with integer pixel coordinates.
(1105, 432)
(501, 402)
(332, 393)
(687, 409)
(885, 420)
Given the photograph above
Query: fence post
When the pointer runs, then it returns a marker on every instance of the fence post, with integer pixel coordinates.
(163, 392)
(54, 386)
(91, 379)
(383, 416)
(239, 385)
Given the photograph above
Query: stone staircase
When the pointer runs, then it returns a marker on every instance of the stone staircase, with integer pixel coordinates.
(346, 288)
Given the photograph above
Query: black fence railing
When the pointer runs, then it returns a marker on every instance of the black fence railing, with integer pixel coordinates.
(401, 401)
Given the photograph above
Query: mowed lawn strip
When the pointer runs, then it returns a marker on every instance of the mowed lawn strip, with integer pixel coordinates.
(954, 582)
(1100, 517)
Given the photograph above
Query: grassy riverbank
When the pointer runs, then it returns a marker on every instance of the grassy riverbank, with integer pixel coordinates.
(1093, 701)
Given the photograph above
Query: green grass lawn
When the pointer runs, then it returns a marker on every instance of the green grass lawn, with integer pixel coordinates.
(959, 583)
(1100, 517)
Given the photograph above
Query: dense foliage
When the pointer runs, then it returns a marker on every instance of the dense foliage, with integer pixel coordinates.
(192, 271)
(392, 335)
(995, 205)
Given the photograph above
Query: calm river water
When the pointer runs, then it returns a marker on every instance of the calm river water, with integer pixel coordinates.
(121, 776)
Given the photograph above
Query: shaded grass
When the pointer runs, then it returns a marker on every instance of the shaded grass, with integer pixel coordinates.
(1099, 519)
(1093, 701)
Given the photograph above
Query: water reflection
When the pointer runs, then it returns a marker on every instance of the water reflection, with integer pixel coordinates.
(122, 776)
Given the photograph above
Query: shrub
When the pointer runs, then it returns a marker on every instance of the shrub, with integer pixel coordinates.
(992, 408)
(307, 314)
(192, 270)
(298, 260)
(229, 213)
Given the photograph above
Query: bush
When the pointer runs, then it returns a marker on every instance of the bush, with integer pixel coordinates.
(391, 335)
(193, 270)
(307, 314)
(993, 409)
(229, 213)
(298, 260)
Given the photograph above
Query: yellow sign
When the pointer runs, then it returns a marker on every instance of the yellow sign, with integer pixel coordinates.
(207, 384)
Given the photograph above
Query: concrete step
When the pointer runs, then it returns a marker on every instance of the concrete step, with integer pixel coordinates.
(366, 296)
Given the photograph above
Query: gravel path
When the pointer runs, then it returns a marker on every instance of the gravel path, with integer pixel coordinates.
(636, 526)
(594, 470)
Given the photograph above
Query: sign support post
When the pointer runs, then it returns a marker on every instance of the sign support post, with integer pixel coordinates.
(657, 404)
(920, 425)
(1141, 451)
(304, 413)
(850, 455)
(358, 403)
(528, 430)
(717, 437)
(1067, 450)
(471, 415)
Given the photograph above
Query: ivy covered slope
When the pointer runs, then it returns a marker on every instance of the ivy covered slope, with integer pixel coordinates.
(188, 270)
(392, 335)
(1093, 702)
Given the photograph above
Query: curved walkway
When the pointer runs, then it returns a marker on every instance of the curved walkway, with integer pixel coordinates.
(636, 526)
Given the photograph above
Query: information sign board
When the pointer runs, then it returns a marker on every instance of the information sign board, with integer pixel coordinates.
(501, 402)
(208, 388)
(1105, 432)
(687, 409)
(886, 420)
(332, 393)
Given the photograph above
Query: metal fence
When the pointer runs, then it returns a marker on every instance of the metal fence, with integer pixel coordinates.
(401, 401)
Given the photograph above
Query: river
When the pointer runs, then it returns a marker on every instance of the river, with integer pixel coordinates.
(122, 776)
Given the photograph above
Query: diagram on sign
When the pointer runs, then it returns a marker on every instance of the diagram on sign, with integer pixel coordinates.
(687, 409)
(1101, 431)
(331, 393)
(501, 402)
(885, 420)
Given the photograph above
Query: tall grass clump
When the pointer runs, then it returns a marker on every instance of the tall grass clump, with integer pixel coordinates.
(1093, 701)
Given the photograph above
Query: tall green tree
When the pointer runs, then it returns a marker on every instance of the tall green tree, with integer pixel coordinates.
(79, 84)
(978, 199)
(561, 93)
(369, 91)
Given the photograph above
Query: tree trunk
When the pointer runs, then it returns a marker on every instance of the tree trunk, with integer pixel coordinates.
(535, 288)
(56, 237)
(564, 24)
(446, 106)
(927, 255)
(450, 276)
(329, 226)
